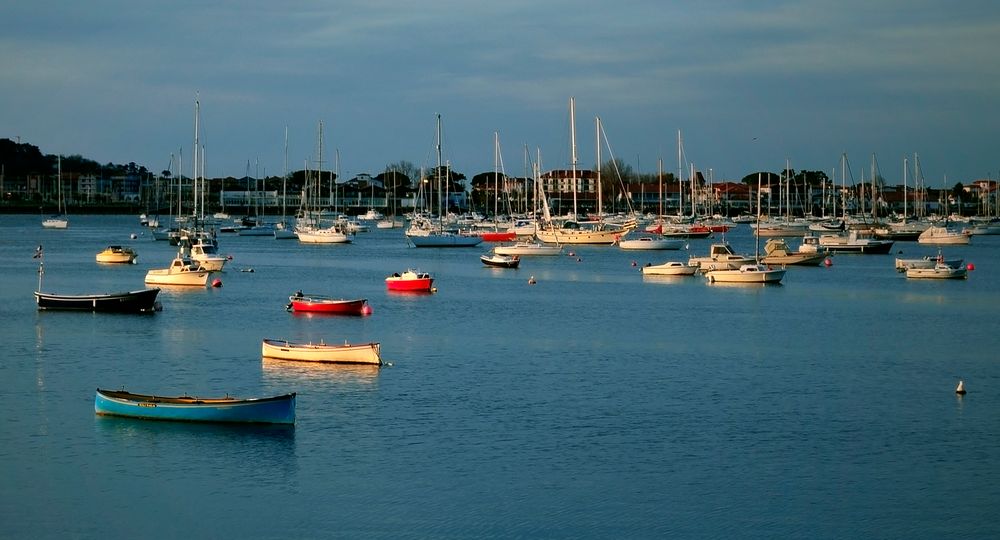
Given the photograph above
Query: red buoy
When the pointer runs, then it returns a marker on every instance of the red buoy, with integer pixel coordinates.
(828, 262)
(970, 267)
(366, 310)
(216, 282)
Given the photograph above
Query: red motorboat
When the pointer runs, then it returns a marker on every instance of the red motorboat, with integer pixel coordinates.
(498, 236)
(317, 303)
(410, 280)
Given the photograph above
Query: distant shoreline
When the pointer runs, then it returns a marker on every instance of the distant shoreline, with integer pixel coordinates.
(50, 210)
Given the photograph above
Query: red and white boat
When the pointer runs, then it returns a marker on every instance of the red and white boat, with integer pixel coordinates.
(317, 303)
(410, 280)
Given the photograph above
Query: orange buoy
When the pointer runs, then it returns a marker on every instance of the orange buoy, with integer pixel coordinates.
(961, 388)
(216, 282)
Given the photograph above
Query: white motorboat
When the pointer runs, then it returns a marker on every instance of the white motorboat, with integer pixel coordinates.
(181, 271)
(649, 242)
(669, 268)
(939, 271)
(942, 235)
(747, 273)
(205, 252)
(333, 234)
(720, 257)
(528, 248)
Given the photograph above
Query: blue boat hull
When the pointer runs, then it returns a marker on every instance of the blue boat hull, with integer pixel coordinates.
(269, 410)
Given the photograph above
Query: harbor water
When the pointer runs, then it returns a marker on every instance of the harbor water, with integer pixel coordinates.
(594, 403)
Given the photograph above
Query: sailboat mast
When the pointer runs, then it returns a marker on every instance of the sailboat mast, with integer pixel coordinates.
(496, 178)
(906, 166)
(438, 150)
(284, 178)
(194, 161)
(680, 174)
(659, 177)
(572, 137)
(597, 122)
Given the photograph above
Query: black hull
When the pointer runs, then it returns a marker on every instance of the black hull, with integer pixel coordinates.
(878, 249)
(499, 264)
(143, 301)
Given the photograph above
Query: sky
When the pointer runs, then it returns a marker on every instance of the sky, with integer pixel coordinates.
(749, 85)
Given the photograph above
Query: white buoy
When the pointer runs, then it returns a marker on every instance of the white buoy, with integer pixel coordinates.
(531, 280)
(961, 388)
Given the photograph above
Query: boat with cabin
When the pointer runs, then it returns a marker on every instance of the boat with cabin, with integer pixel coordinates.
(669, 268)
(182, 271)
(117, 255)
(411, 281)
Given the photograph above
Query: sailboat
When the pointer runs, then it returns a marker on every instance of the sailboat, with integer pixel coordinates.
(312, 231)
(658, 241)
(390, 222)
(283, 230)
(425, 233)
(573, 231)
(755, 272)
(58, 221)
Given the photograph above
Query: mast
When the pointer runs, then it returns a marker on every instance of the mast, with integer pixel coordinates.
(600, 207)
(496, 178)
(659, 177)
(438, 150)
(194, 161)
(680, 174)
(905, 167)
(572, 138)
(284, 179)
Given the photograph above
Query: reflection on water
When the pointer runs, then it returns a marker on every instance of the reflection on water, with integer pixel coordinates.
(739, 285)
(285, 371)
(181, 289)
(266, 452)
(122, 428)
(667, 280)
(322, 315)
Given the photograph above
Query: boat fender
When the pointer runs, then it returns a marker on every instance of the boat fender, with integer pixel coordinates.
(961, 388)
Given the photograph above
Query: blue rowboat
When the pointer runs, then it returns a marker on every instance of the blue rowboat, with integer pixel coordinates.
(267, 410)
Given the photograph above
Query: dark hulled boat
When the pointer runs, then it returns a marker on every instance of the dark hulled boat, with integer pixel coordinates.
(142, 301)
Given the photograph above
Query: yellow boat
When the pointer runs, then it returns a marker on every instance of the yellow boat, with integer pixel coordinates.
(362, 353)
(117, 255)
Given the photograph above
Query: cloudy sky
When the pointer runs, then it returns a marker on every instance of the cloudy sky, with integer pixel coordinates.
(748, 84)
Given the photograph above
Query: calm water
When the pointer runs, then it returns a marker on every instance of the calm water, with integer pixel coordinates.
(593, 404)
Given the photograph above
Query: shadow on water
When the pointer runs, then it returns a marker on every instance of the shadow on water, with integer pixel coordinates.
(286, 371)
(134, 429)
